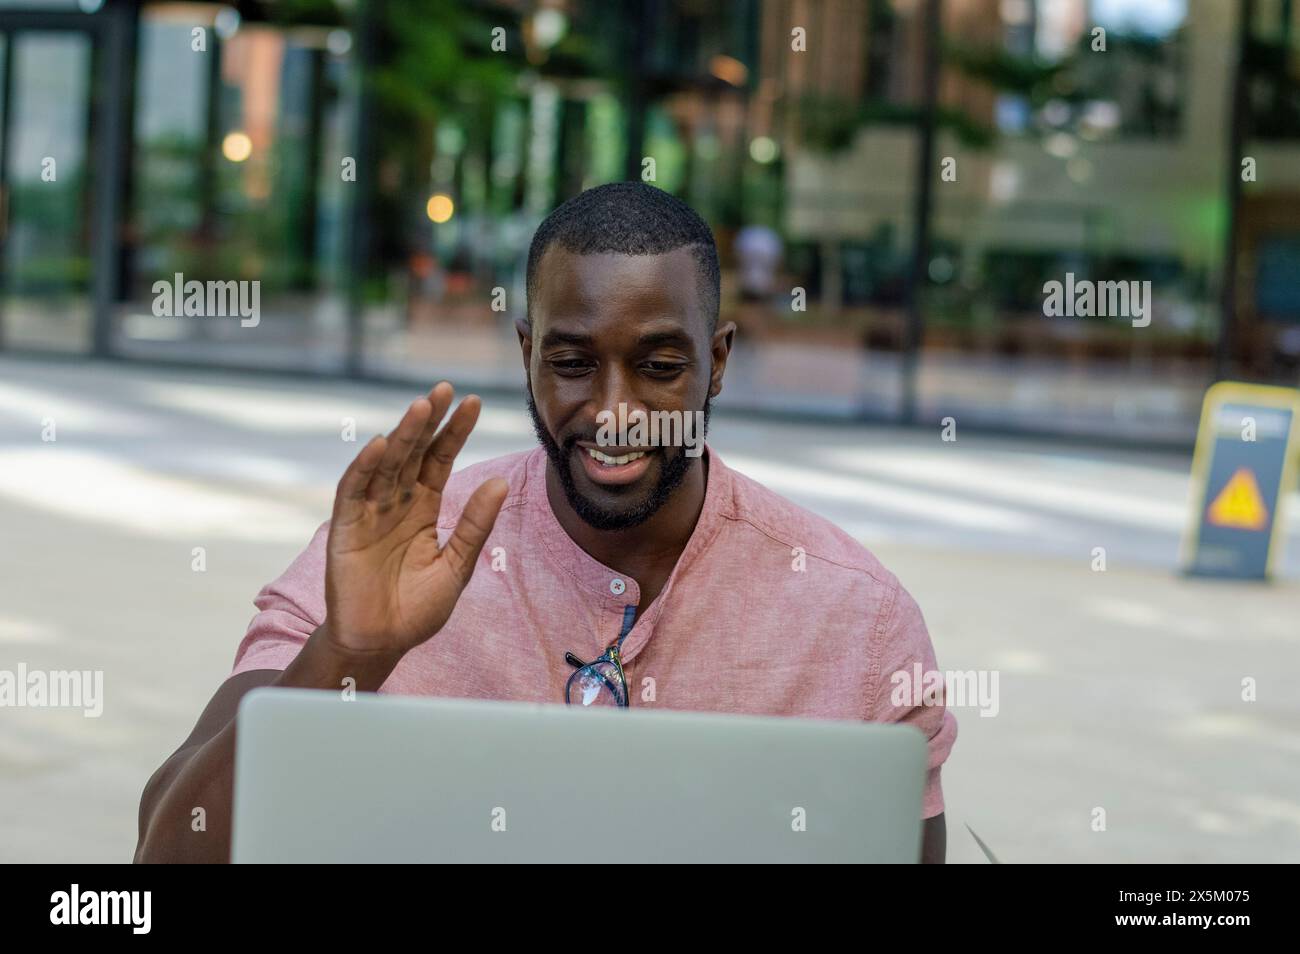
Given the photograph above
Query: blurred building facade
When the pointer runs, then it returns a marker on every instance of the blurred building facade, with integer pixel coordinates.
(379, 167)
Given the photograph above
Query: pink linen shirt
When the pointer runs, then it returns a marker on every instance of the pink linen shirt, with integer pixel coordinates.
(770, 610)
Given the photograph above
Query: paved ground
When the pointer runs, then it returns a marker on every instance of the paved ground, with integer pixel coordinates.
(1118, 689)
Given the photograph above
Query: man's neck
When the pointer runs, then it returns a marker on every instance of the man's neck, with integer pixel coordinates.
(648, 551)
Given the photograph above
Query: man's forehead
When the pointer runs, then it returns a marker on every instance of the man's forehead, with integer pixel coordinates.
(572, 284)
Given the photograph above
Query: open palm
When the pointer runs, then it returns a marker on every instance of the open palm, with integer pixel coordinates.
(388, 585)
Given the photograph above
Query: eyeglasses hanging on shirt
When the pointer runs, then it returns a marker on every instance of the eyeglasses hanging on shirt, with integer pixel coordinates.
(601, 682)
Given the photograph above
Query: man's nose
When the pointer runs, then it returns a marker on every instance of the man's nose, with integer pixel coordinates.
(614, 387)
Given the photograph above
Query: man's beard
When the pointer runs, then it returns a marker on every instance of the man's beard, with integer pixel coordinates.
(671, 474)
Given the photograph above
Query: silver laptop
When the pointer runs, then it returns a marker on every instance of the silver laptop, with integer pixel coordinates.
(415, 779)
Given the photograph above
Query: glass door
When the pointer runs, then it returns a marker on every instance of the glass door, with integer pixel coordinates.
(45, 169)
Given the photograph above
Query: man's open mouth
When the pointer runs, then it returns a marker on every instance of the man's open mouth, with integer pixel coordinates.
(613, 465)
(609, 461)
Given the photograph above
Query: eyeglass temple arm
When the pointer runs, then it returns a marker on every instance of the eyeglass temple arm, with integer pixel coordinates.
(629, 615)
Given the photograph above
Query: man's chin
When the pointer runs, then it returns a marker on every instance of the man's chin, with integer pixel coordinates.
(611, 506)
(604, 514)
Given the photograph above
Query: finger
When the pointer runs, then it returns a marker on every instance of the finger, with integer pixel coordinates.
(440, 397)
(476, 522)
(442, 452)
(350, 496)
(400, 442)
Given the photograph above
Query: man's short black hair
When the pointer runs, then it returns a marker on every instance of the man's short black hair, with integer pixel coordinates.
(629, 218)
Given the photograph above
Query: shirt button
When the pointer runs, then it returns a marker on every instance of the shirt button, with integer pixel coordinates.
(617, 586)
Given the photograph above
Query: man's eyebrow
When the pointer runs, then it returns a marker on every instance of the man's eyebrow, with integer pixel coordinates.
(553, 338)
(676, 337)
(657, 338)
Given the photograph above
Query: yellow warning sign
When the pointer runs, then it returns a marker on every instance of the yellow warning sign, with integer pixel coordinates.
(1239, 504)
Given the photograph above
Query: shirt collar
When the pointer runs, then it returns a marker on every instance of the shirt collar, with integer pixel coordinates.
(604, 583)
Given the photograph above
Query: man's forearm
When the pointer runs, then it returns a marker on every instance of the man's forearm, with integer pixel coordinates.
(934, 844)
(200, 775)
(197, 777)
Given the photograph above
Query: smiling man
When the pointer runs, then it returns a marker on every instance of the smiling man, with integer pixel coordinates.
(623, 574)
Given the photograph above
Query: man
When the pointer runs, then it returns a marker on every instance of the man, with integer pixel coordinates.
(758, 256)
(621, 574)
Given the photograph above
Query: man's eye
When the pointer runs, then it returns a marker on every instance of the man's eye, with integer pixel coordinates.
(570, 366)
(663, 367)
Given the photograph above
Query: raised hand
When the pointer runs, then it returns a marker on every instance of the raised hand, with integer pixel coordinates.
(388, 585)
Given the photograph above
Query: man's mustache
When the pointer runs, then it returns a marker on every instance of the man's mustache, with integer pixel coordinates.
(571, 441)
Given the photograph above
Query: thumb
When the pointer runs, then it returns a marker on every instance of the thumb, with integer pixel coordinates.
(472, 530)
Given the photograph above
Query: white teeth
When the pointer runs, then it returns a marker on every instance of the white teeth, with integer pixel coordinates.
(614, 461)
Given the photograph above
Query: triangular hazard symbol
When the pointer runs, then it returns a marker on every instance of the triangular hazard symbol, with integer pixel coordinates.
(1239, 504)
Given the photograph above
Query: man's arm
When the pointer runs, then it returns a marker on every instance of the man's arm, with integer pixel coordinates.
(200, 774)
(905, 648)
(389, 586)
(934, 840)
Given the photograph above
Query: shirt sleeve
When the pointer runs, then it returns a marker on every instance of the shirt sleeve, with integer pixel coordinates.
(904, 643)
(290, 608)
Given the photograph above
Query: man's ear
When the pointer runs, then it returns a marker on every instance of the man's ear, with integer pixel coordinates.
(525, 332)
(719, 351)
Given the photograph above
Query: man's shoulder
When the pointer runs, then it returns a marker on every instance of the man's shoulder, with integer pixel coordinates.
(795, 528)
(513, 468)
(302, 583)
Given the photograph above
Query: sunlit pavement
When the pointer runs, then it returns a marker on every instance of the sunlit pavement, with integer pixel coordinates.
(1119, 690)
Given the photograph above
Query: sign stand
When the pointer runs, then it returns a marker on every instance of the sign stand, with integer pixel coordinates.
(1243, 467)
